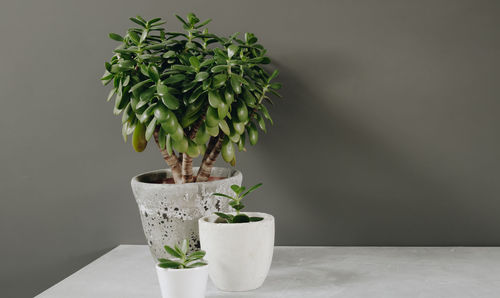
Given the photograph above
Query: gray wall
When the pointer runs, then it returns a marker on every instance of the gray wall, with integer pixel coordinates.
(388, 133)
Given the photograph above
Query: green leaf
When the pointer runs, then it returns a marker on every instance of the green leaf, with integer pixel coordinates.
(212, 118)
(275, 86)
(242, 111)
(153, 73)
(214, 99)
(227, 217)
(261, 122)
(201, 76)
(161, 89)
(180, 144)
(182, 20)
(202, 135)
(196, 93)
(194, 62)
(219, 80)
(134, 37)
(162, 139)
(265, 112)
(253, 135)
(228, 96)
(197, 264)
(255, 218)
(168, 99)
(222, 195)
(140, 85)
(170, 264)
(273, 75)
(249, 98)
(225, 128)
(168, 145)
(150, 129)
(241, 218)
(236, 188)
(219, 68)
(235, 84)
(231, 50)
(251, 189)
(185, 246)
(193, 150)
(196, 255)
(213, 130)
(227, 149)
(174, 79)
(138, 22)
(115, 36)
(169, 54)
(139, 141)
(239, 127)
(222, 110)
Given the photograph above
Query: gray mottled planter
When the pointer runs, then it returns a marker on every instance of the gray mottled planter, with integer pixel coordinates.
(170, 212)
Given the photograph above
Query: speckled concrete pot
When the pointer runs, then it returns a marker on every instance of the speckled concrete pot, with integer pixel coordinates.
(170, 212)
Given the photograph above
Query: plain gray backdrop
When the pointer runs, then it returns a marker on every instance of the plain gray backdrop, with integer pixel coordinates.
(388, 133)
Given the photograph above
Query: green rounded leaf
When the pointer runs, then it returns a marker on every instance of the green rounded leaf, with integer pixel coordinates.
(235, 84)
(201, 76)
(253, 134)
(227, 150)
(241, 218)
(212, 118)
(181, 144)
(139, 141)
(242, 111)
(115, 36)
(213, 130)
(214, 99)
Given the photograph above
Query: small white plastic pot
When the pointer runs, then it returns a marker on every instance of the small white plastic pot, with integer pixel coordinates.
(239, 254)
(183, 283)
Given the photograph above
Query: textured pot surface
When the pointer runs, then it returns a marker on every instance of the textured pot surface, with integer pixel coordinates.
(239, 255)
(170, 212)
(183, 283)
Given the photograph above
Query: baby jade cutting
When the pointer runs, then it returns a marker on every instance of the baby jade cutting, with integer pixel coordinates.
(235, 202)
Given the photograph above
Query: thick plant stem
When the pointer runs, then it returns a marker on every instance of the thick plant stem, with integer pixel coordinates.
(187, 161)
(171, 160)
(209, 160)
(187, 169)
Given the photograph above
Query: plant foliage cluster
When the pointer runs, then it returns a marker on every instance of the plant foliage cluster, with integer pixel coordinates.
(182, 260)
(194, 92)
(235, 202)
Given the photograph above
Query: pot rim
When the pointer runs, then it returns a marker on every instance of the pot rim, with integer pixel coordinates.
(181, 270)
(234, 174)
(209, 219)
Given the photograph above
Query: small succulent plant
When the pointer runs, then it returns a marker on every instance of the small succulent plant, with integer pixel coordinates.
(235, 202)
(182, 260)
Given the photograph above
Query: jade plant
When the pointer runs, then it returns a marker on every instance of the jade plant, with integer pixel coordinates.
(235, 202)
(182, 260)
(194, 92)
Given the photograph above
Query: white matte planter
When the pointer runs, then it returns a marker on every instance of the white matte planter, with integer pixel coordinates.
(183, 283)
(239, 254)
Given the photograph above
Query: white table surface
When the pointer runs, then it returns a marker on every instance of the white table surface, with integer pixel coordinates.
(305, 272)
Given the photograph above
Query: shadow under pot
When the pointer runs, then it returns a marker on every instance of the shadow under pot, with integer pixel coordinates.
(170, 212)
(239, 254)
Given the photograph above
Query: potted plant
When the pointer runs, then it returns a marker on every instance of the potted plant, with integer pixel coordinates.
(195, 94)
(185, 276)
(245, 239)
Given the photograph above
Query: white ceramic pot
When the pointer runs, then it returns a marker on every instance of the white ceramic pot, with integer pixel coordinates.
(170, 212)
(239, 254)
(183, 283)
